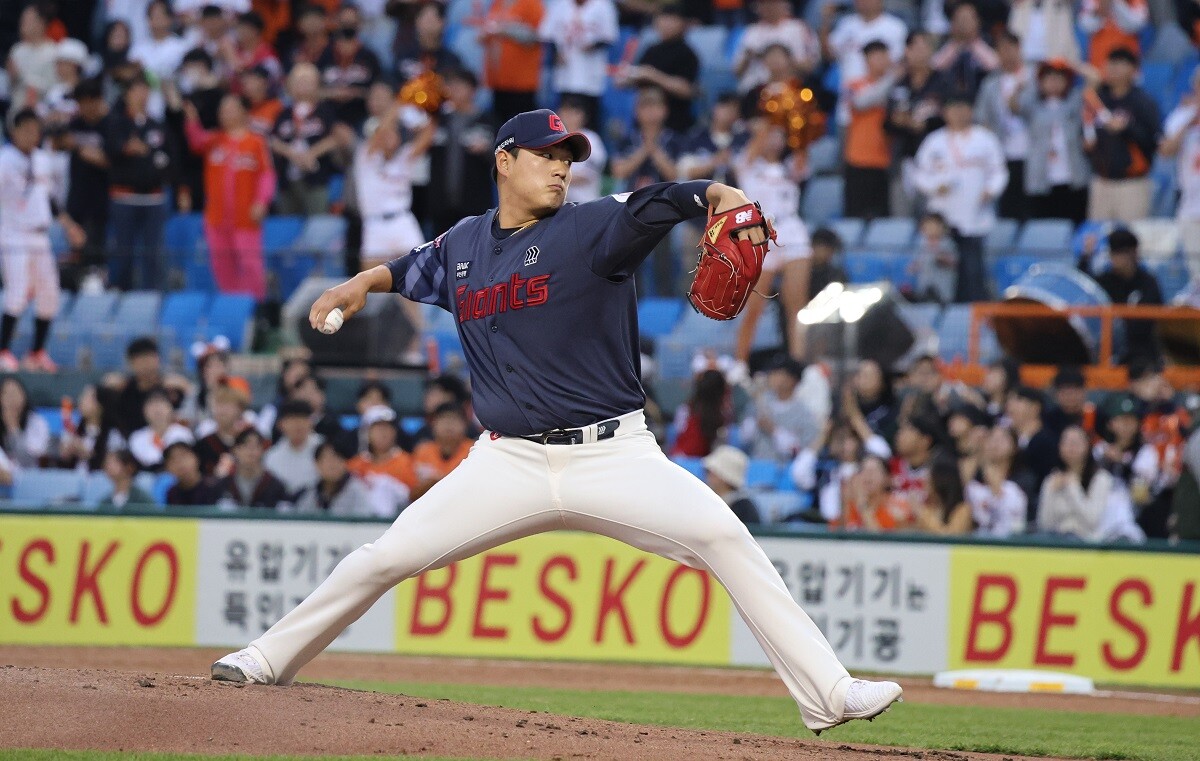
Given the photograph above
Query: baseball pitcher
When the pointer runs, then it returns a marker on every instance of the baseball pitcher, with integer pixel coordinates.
(547, 310)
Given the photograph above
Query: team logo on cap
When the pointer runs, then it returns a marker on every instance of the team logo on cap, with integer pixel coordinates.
(556, 124)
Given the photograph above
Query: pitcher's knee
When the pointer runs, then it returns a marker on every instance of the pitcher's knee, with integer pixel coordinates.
(719, 531)
(381, 563)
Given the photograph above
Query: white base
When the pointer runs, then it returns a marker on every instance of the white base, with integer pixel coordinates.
(1011, 680)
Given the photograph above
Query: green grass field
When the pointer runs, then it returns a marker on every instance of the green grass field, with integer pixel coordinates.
(983, 729)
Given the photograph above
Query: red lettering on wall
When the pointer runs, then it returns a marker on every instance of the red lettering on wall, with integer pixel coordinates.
(1000, 617)
(87, 581)
(612, 601)
(1125, 622)
(688, 637)
(427, 591)
(1188, 628)
(1050, 620)
(488, 593)
(135, 593)
(540, 631)
(37, 583)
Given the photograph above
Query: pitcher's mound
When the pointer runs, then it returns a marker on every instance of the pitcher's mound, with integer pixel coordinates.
(124, 711)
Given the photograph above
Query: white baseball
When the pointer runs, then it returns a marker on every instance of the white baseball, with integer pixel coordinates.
(333, 322)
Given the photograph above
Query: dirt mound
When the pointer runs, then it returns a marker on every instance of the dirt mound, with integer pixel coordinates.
(132, 711)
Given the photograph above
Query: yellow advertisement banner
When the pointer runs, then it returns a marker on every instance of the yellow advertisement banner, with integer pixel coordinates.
(1119, 617)
(566, 596)
(97, 580)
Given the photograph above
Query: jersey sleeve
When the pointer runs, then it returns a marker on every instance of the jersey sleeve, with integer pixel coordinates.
(619, 232)
(420, 275)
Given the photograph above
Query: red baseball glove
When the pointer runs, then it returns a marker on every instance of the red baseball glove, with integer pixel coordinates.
(729, 265)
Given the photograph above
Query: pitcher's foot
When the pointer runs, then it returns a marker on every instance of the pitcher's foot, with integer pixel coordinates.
(242, 667)
(866, 700)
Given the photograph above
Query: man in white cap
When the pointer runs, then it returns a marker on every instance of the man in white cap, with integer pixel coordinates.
(58, 105)
(725, 473)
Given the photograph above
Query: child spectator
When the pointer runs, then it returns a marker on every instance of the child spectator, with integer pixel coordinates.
(191, 487)
(867, 152)
(767, 172)
(945, 512)
(961, 170)
(291, 459)
(250, 484)
(700, 422)
(121, 467)
(725, 473)
(1057, 171)
(868, 502)
(1121, 130)
(385, 468)
(998, 504)
(1081, 500)
(24, 435)
(586, 176)
(147, 444)
(824, 268)
(302, 141)
(433, 460)
(336, 492)
(935, 260)
(239, 182)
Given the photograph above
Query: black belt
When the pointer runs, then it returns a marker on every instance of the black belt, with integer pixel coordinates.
(564, 436)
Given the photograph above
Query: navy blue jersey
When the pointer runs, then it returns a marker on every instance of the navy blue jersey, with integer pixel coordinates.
(548, 315)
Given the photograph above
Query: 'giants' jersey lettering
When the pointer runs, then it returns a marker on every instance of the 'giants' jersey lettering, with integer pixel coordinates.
(485, 302)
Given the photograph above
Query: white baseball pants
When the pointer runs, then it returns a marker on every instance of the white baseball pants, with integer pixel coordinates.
(30, 274)
(624, 488)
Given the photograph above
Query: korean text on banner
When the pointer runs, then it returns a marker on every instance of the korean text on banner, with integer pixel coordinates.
(93, 580)
(252, 572)
(882, 605)
(566, 595)
(1124, 617)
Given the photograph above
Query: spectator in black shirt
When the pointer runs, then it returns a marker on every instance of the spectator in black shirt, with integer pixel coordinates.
(229, 408)
(250, 484)
(302, 142)
(671, 65)
(141, 170)
(348, 69)
(826, 246)
(1127, 281)
(461, 159)
(425, 51)
(123, 405)
(88, 173)
(725, 473)
(1121, 141)
(191, 488)
(1038, 446)
(1071, 406)
(914, 109)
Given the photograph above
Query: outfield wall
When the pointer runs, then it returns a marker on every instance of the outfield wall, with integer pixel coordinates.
(887, 605)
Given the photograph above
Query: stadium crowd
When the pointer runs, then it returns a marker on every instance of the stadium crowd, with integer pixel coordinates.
(384, 111)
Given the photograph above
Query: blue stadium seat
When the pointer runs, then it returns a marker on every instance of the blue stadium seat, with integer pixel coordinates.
(822, 200)
(773, 507)
(849, 229)
(657, 316)
(183, 234)
(824, 155)
(922, 317)
(1005, 270)
(865, 267)
(1002, 237)
(954, 336)
(280, 232)
(709, 44)
(1046, 238)
(324, 233)
(1170, 45)
(465, 44)
(63, 346)
(49, 486)
(890, 233)
(181, 317)
(231, 315)
(96, 488)
(91, 309)
(1158, 79)
(762, 474)
(1089, 227)
(699, 331)
(412, 424)
(138, 308)
(692, 465)
(1173, 277)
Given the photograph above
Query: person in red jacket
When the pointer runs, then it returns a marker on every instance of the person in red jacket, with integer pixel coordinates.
(239, 182)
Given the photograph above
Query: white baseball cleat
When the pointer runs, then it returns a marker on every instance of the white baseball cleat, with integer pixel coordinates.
(866, 700)
(242, 666)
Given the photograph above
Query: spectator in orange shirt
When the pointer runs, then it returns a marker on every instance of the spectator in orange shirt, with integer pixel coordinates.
(386, 469)
(1113, 24)
(868, 154)
(264, 108)
(512, 56)
(239, 182)
(433, 460)
(869, 504)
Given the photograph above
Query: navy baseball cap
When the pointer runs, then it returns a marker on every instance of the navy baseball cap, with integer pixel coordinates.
(541, 129)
